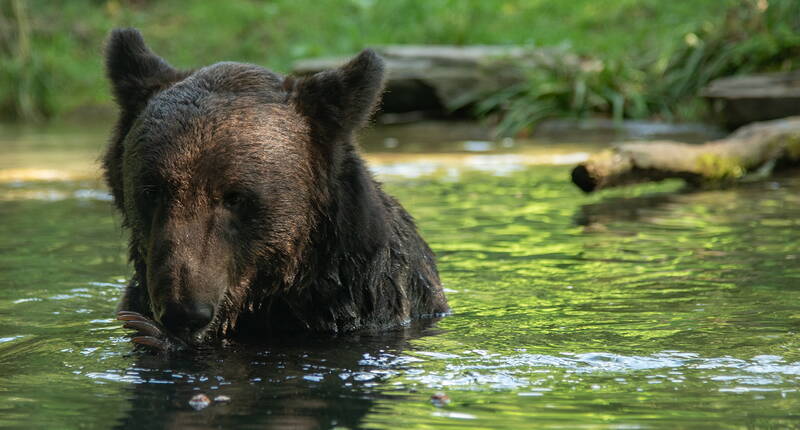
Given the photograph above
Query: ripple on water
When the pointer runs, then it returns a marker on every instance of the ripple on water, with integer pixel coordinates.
(472, 370)
(628, 308)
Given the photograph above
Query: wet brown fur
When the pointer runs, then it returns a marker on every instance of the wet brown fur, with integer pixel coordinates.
(245, 195)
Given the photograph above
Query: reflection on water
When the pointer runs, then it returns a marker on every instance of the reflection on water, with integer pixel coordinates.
(313, 383)
(649, 307)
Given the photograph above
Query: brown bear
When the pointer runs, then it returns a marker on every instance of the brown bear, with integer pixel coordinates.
(251, 213)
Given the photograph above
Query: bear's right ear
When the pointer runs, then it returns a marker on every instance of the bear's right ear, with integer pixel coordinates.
(342, 99)
(135, 72)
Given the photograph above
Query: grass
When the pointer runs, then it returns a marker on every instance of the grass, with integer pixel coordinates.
(51, 65)
(749, 36)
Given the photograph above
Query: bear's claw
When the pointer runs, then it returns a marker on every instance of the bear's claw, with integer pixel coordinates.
(150, 341)
(131, 316)
(149, 333)
(143, 327)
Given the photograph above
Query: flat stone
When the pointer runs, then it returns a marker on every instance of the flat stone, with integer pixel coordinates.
(740, 100)
(441, 80)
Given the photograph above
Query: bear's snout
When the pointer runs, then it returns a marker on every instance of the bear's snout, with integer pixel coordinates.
(184, 297)
(186, 317)
(184, 289)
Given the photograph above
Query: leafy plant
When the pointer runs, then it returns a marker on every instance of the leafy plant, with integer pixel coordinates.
(24, 90)
(752, 36)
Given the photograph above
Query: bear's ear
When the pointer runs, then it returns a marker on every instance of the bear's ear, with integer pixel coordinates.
(341, 100)
(135, 72)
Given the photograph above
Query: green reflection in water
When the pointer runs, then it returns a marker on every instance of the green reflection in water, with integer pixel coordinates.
(637, 307)
(642, 307)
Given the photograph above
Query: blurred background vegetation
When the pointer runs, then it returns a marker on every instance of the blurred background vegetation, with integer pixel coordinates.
(653, 56)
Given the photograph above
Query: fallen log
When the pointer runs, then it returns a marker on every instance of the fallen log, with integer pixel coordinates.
(751, 151)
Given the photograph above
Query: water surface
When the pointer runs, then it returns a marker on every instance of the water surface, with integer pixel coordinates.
(647, 307)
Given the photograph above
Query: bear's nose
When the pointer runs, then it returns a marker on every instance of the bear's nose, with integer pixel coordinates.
(186, 317)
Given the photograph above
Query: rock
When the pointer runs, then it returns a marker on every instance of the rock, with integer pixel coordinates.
(199, 401)
(740, 100)
(439, 80)
(440, 399)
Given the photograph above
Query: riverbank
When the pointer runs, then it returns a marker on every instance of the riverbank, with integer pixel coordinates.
(652, 57)
(71, 151)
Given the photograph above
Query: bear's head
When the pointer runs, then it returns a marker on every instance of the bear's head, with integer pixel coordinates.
(223, 173)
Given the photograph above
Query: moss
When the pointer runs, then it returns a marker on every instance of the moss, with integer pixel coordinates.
(720, 169)
(793, 147)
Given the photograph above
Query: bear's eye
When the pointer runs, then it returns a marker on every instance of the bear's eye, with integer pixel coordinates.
(150, 192)
(233, 200)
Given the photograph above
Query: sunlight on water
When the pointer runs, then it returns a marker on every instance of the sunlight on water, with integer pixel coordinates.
(646, 307)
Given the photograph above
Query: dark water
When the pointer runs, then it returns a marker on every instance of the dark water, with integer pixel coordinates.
(639, 308)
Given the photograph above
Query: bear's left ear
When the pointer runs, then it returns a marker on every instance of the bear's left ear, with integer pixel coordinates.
(135, 72)
(341, 100)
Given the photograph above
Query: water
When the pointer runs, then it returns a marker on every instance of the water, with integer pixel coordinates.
(647, 307)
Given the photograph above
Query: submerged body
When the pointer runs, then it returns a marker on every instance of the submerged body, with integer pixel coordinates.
(250, 211)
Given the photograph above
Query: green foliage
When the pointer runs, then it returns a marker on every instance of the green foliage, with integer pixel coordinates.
(751, 36)
(566, 89)
(25, 92)
(50, 50)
